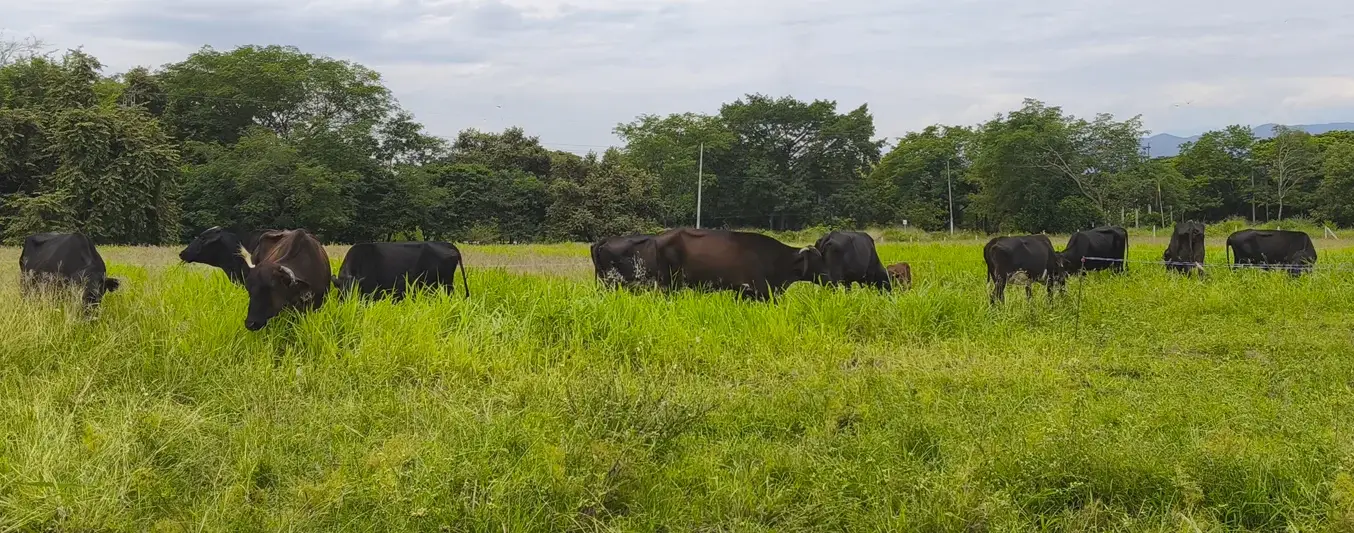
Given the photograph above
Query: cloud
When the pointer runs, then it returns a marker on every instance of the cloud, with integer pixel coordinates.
(570, 70)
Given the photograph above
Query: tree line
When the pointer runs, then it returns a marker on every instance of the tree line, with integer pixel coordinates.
(272, 137)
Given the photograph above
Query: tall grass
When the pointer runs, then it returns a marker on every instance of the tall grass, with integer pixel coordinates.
(1142, 402)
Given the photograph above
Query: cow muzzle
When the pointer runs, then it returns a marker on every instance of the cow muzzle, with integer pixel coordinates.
(255, 325)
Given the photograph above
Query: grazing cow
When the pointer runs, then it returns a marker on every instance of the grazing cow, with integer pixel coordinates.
(1273, 247)
(628, 260)
(851, 258)
(1108, 242)
(755, 265)
(380, 268)
(290, 270)
(219, 248)
(1185, 253)
(901, 273)
(65, 259)
(1031, 255)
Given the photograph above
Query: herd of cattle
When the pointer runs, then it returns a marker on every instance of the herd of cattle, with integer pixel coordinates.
(290, 270)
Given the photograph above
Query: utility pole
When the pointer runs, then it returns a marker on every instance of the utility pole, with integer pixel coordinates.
(700, 182)
(950, 187)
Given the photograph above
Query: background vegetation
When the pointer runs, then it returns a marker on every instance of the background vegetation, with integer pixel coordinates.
(272, 137)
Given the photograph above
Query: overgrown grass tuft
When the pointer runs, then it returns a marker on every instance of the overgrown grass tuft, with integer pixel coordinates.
(1141, 402)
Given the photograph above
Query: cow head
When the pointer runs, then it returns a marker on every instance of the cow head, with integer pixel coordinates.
(216, 247)
(810, 265)
(272, 288)
(97, 286)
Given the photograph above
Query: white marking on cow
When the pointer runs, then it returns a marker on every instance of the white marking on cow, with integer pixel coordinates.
(248, 261)
(291, 276)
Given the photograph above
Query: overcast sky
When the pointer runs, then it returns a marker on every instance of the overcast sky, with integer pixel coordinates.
(568, 71)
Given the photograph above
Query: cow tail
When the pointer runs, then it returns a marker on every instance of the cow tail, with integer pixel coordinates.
(465, 282)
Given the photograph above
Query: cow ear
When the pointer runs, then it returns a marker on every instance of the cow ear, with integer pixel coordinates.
(111, 284)
(288, 275)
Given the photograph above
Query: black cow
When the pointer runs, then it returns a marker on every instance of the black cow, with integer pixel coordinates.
(219, 248)
(627, 259)
(1185, 253)
(1107, 242)
(380, 268)
(851, 258)
(65, 259)
(291, 272)
(1273, 247)
(1031, 255)
(755, 265)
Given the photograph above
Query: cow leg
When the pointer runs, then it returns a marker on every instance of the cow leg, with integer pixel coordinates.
(999, 290)
(1029, 289)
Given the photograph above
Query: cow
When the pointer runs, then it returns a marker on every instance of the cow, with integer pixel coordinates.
(1107, 242)
(1292, 249)
(1031, 255)
(627, 259)
(288, 270)
(1185, 253)
(381, 268)
(65, 259)
(754, 265)
(219, 248)
(851, 258)
(901, 273)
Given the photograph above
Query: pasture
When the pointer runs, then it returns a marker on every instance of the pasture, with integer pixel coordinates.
(1142, 402)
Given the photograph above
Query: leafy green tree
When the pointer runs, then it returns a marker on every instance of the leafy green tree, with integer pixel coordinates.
(670, 149)
(477, 203)
(263, 181)
(215, 96)
(610, 197)
(511, 150)
(72, 162)
(917, 179)
(790, 161)
(1016, 191)
(1336, 194)
(1222, 167)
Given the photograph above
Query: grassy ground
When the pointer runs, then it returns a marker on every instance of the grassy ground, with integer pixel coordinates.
(1145, 402)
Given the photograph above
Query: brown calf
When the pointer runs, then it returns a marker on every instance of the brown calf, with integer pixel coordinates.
(902, 273)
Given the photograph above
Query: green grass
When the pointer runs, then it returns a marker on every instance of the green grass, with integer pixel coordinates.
(1145, 402)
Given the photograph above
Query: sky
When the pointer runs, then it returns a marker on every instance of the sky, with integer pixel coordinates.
(570, 71)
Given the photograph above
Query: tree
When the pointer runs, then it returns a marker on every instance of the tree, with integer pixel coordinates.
(791, 161)
(1010, 166)
(917, 180)
(74, 162)
(511, 150)
(670, 149)
(1222, 167)
(263, 181)
(1094, 154)
(608, 197)
(216, 96)
(1336, 193)
(18, 50)
(1290, 159)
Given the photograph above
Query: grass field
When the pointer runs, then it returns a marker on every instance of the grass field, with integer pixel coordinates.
(1144, 402)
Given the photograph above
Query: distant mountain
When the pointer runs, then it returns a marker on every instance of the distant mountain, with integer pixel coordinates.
(1166, 145)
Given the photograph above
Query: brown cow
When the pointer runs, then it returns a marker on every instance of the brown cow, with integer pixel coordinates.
(901, 273)
(292, 272)
(755, 265)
